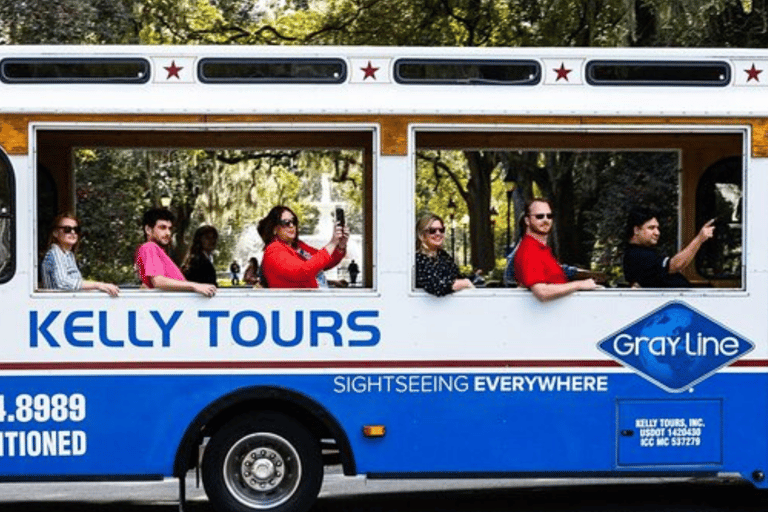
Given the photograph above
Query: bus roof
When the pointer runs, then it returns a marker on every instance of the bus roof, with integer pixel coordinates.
(370, 81)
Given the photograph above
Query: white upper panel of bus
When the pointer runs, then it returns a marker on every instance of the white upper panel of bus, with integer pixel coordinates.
(370, 88)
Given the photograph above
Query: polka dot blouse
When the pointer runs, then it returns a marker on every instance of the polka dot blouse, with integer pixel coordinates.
(436, 275)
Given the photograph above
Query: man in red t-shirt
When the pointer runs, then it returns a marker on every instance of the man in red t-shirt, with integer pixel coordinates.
(535, 266)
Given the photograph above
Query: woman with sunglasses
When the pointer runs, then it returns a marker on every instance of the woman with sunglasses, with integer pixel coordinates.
(436, 271)
(59, 267)
(290, 263)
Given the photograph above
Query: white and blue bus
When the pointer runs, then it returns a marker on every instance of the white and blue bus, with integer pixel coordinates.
(260, 388)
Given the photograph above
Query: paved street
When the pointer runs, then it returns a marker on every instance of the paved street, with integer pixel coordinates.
(341, 494)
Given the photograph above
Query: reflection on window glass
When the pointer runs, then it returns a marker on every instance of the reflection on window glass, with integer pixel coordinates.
(74, 70)
(658, 73)
(272, 71)
(6, 221)
(719, 196)
(458, 72)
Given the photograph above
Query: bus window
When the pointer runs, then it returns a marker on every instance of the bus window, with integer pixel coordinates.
(719, 196)
(7, 257)
(481, 194)
(229, 189)
(591, 192)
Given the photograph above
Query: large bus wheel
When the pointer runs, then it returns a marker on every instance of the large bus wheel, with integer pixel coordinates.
(265, 462)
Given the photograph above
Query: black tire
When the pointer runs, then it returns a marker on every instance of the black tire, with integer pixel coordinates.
(262, 462)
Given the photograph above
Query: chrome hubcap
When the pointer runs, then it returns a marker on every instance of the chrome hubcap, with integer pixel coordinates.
(262, 470)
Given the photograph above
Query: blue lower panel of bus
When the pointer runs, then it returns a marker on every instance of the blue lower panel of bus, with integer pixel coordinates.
(125, 426)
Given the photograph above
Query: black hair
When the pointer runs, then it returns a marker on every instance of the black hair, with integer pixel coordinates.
(636, 217)
(267, 225)
(153, 215)
(196, 248)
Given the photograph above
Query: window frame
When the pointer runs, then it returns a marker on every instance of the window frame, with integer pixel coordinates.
(113, 134)
(5, 162)
(456, 133)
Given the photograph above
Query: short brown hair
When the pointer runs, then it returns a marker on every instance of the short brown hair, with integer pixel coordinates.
(530, 202)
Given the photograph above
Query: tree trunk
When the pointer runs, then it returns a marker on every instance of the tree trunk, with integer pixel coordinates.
(481, 164)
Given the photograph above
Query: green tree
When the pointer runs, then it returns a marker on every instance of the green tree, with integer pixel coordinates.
(229, 189)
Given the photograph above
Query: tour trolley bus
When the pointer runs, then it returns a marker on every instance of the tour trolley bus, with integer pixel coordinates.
(260, 388)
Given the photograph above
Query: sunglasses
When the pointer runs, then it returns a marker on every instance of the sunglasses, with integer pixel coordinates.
(432, 231)
(70, 229)
(540, 216)
(288, 222)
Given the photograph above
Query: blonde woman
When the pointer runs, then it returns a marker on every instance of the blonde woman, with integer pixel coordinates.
(436, 272)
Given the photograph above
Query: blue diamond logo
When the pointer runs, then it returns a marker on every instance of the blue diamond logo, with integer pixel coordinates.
(675, 347)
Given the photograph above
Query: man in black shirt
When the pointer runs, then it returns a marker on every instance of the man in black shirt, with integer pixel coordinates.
(644, 266)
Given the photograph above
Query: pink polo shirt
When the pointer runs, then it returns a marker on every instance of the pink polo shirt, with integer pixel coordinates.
(152, 261)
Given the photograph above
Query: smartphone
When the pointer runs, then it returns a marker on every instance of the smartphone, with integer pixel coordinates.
(340, 216)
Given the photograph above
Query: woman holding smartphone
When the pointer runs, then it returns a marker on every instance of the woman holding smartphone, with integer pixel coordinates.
(290, 263)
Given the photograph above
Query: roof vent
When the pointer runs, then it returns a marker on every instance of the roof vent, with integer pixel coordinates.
(658, 73)
(467, 72)
(74, 70)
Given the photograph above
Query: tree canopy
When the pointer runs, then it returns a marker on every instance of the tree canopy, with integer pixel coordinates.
(388, 22)
(474, 180)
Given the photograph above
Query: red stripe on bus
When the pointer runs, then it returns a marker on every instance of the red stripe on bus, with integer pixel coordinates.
(260, 365)
(234, 365)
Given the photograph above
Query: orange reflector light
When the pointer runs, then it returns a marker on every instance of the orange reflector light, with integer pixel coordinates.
(374, 430)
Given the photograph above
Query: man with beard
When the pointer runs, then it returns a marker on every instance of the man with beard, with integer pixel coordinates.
(156, 269)
(535, 266)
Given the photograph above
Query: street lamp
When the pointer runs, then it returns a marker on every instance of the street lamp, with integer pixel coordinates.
(509, 186)
(493, 213)
(452, 209)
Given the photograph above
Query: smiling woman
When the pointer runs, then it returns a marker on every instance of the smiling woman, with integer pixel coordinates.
(289, 262)
(436, 271)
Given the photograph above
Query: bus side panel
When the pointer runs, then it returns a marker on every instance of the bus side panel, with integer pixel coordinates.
(435, 422)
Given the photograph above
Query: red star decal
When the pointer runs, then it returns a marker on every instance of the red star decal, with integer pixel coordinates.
(369, 71)
(752, 73)
(562, 72)
(173, 70)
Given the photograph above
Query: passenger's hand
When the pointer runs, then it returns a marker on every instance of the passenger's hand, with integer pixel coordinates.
(589, 284)
(344, 237)
(462, 284)
(707, 230)
(109, 288)
(208, 290)
(338, 233)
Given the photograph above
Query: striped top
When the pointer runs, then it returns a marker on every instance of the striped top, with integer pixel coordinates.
(60, 270)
